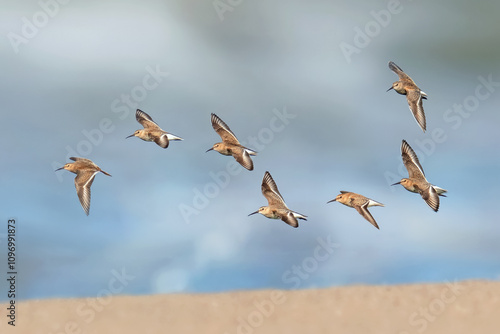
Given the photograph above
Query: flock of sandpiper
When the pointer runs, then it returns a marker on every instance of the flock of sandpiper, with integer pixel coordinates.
(416, 182)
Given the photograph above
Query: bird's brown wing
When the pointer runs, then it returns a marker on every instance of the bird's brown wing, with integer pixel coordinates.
(271, 192)
(162, 140)
(83, 181)
(145, 120)
(431, 197)
(223, 130)
(363, 211)
(396, 69)
(82, 160)
(243, 158)
(411, 162)
(290, 219)
(414, 98)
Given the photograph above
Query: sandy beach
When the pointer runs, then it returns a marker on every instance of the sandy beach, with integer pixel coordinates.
(454, 307)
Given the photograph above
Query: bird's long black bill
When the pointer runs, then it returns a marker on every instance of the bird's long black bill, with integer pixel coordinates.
(210, 149)
(333, 200)
(129, 136)
(59, 169)
(389, 89)
(254, 213)
(396, 183)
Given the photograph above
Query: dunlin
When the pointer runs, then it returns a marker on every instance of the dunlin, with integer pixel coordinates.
(277, 208)
(416, 181)
(414, 95)
(85, 171)
(151, 131)
(230, 144)
(359, 202)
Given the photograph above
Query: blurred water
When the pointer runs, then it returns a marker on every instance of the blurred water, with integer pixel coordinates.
(172, 219)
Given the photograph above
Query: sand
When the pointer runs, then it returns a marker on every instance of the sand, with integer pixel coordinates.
(458, 307)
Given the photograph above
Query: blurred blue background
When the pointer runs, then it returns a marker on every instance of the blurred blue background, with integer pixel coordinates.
(175, 220)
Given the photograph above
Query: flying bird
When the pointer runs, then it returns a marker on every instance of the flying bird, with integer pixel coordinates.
(406, 86)
(85, 171)
(230, 144)
(151, 131)
(416, 181)
(277, 208)
(359, 202)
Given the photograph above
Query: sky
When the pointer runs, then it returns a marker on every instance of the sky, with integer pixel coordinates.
(302, 83)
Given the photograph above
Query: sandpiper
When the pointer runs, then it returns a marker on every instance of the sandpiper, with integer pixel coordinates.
(151, 131)
(414, 95)
(85, 171)
(277, 208)
(359, 202)
(416, 181)
(230, 144)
